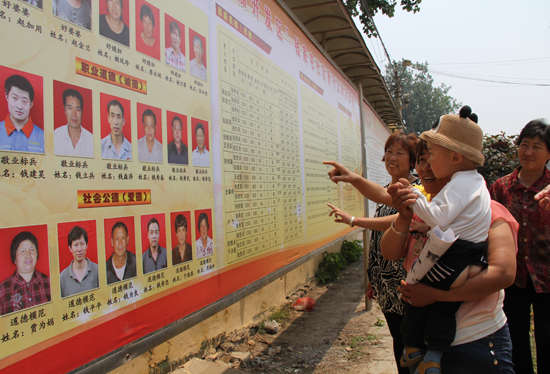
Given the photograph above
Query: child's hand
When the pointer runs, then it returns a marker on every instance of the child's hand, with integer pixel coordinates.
(402, 198)
(404, 183)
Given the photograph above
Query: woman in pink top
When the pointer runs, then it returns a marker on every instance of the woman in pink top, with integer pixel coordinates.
(482, 343)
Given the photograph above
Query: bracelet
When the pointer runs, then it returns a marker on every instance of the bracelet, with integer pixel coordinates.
(351, 221)
(395, 231)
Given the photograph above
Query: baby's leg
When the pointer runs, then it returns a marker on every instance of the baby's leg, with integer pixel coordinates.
(469, 272)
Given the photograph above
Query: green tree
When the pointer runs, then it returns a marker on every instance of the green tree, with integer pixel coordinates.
(387, 7)
(426, 103)
(501, 156)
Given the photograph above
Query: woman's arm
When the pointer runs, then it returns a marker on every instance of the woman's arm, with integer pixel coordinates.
(500, 273)
(394, 240)
(371, 190)
(377, 223)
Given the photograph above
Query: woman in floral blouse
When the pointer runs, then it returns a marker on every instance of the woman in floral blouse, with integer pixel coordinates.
(384, 276)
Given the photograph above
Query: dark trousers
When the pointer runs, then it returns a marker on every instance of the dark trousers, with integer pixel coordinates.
(517, 306)
(434, 324)
(394, 324)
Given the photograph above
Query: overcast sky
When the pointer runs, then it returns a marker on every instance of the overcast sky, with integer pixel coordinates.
(503, 41)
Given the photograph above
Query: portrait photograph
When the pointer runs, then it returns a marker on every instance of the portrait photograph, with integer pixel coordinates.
(120, 249)
(21, 111)
(36, 3)
(147, 28)
(149, 131)
(73, 122)
(77, 12)
(177, 138)
(114, 20)
(153, 242)
(204, 246)
(78, 262)
(116, 130)
(197, 55)
(180, 235)
(24, 268)
(174, 43)
(201, 143)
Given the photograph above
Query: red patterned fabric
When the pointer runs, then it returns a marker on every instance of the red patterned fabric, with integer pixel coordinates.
(16, 294)
(533, 257)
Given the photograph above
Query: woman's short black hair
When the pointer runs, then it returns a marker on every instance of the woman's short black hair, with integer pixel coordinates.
(203, 216)
(146, 12)
(422, 146)
(121, 5)
(180, 221)
(536, 127)
(20, 238)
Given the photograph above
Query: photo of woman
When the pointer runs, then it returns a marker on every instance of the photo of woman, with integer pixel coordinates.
(111, 25)
(205, 244)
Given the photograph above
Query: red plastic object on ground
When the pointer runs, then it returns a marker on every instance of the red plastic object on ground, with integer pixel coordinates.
(304, 303)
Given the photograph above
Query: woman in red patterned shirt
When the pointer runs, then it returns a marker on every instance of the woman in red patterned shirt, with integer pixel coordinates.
(531, 287)
(26, 287)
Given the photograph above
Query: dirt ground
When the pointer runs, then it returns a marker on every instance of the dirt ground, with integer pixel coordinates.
(338, 336)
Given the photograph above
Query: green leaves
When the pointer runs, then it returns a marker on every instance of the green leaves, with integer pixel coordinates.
(351, 251)
(333, 262)
(387, 7)
(501, 157)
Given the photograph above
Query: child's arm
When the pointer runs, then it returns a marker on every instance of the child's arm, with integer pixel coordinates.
(444, 208)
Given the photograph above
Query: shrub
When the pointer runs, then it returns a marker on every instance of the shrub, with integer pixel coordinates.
(333, 262)
(352, 251)
(501, 156)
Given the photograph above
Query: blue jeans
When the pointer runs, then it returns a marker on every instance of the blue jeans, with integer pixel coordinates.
(489, 355)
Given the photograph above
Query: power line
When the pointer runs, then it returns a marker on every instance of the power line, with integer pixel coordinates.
(481, 79)
(366, 8)
(443, 72)
(492, 63)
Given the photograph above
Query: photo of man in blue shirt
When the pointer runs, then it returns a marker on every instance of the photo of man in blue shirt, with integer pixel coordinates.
(17, 131)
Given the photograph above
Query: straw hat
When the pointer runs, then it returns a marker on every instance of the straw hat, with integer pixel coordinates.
(459, 133)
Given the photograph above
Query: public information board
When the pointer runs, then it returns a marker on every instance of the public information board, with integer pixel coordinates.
(156, 156)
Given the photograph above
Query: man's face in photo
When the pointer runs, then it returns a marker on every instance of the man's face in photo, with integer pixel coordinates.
(150, 128)
(116, 120)
(78, 248)
(19, 104)
(176, 131)
(73, 111)
(119, 241)
(175, 38)
(153, 235)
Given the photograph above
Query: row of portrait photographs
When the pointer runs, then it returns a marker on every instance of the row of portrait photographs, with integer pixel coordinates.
(114, 24)
(26, 271)
(23, 126)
